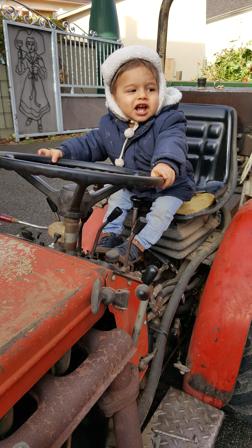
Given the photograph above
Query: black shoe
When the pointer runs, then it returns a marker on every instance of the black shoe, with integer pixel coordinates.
(108, 241)
(119, 253)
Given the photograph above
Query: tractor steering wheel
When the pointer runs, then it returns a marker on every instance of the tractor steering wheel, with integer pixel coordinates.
(86, 173)
(31, 167)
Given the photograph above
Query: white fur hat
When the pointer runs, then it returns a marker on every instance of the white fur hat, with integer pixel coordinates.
(167, 96)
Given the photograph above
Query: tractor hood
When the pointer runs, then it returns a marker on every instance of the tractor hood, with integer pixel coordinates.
(45, 309)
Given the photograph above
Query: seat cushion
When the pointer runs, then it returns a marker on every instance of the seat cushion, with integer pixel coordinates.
(199, 201)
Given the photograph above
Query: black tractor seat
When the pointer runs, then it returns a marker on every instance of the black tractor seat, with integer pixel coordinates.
(212, 138)
(211, 133)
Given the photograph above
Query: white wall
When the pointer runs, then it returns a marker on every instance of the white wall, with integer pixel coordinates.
(231, 32)
(138, 21)
(186, 36)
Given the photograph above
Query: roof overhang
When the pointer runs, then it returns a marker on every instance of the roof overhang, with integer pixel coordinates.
(74, 12)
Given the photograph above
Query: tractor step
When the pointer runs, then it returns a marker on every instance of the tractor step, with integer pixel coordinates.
(182, 421)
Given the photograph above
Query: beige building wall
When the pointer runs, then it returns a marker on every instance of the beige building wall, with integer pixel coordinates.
(138, 21)
(233, 31)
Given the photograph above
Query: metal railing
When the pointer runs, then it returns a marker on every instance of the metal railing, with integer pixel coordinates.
(70, 66)
(80, 55)
(80, 58)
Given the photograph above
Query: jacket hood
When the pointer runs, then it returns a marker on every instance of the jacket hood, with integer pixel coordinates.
(167, 96)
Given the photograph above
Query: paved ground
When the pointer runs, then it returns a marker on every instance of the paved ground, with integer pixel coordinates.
(32, 145)
(234, 434)
(21, 199)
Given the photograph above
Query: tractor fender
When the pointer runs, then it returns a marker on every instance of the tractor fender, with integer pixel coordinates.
(224, 316)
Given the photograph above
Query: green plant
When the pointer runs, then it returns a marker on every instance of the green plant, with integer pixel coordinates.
(231, 64)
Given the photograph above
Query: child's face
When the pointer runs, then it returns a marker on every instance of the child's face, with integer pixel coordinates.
(136, 93)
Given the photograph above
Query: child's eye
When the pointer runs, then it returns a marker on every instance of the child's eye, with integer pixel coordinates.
(131, 90)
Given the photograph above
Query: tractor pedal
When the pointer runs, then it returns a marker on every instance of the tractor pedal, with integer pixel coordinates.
(182, 421)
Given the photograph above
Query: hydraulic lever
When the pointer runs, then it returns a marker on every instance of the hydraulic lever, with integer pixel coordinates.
(143, 293)
(138, 226)
(113, 255)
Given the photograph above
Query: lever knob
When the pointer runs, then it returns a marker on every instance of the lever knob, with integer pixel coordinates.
(143, 292)
(149, 274)
(114, 214)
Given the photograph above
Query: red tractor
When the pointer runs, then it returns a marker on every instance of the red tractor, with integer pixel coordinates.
(86, 340)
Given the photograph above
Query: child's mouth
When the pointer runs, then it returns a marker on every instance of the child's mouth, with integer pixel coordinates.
(141, 109)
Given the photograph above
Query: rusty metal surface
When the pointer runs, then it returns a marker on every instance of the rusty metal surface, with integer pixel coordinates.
(45, 309)
(119, 401)
(126, 320)
(64, 401)
(200, 383)
(183, 421)
(127, 428)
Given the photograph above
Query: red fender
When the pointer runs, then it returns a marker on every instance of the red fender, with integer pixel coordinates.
(224, 316)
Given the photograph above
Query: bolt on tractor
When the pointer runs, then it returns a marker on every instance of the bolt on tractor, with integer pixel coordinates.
(151, 351)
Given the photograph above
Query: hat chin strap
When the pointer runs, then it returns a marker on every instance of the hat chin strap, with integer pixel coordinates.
(112, 105)
(128, 133)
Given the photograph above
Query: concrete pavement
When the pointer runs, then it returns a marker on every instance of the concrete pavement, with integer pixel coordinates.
(31, 146)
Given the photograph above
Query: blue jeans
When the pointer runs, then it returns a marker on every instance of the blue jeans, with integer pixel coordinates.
(158, 219)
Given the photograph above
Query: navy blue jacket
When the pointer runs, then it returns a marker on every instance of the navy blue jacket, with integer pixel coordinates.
(160, 139)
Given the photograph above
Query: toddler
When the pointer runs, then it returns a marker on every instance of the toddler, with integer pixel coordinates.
(143, 130)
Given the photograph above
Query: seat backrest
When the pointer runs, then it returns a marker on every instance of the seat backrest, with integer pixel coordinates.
(211, 132)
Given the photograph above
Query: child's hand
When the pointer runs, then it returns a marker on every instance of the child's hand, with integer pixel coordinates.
(166, 172)
(55, 154)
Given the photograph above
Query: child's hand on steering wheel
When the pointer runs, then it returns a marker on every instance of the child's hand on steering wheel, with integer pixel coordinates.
(55, 154)
(166, 172)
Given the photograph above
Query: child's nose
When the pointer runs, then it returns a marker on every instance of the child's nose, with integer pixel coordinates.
(142, 93)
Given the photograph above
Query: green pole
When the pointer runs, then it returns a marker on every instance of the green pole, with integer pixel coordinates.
(103, 19)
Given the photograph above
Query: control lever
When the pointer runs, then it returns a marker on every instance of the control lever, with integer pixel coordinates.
(113, 255)
(149, 274)
(53, 207)
(143, 293)
(113, 215)
(83, 220)
(106, 295)
(56, 238)
(139, 225)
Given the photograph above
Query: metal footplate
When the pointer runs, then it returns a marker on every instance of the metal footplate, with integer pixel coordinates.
(183, 421)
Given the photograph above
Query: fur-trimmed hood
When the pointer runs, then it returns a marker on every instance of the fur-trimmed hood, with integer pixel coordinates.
(167, 96)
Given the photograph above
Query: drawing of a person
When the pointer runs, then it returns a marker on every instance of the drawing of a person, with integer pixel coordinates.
(33, 103)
